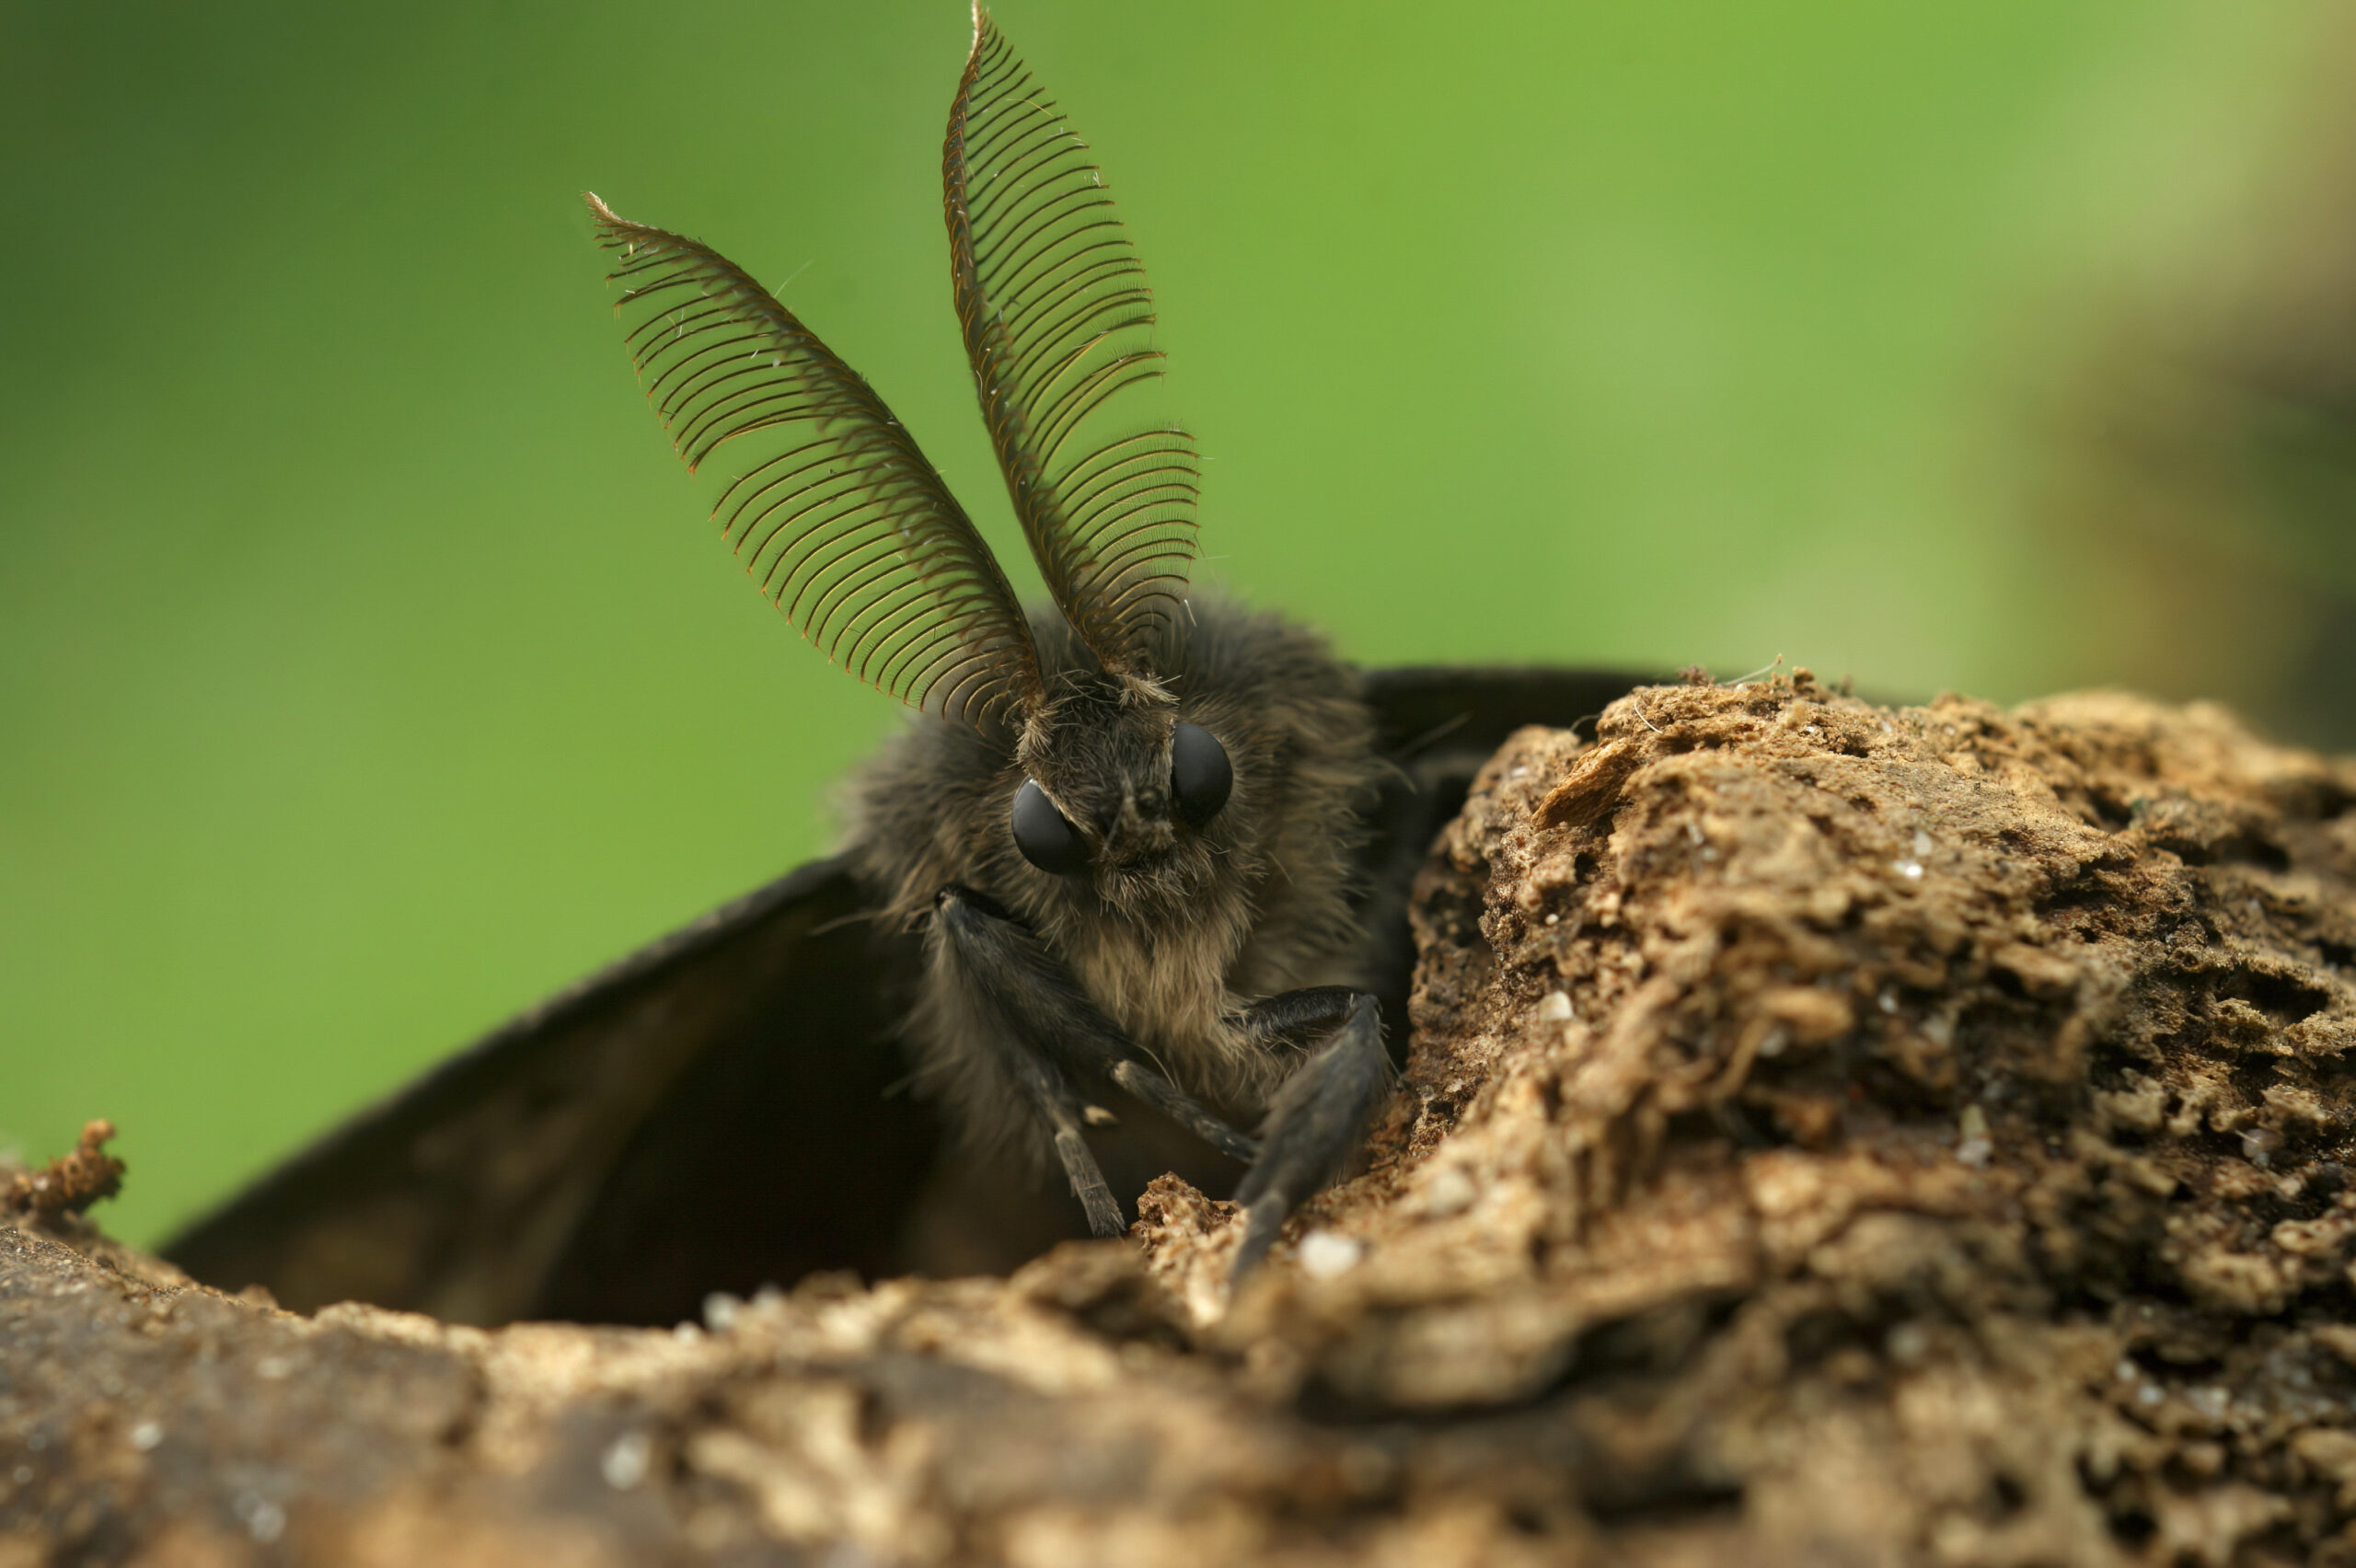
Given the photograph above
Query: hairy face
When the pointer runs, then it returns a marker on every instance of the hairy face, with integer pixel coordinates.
(1123, 799)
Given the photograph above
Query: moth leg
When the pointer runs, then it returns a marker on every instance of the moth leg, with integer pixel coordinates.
(1050, 1033)
(1298, 1018)
(1314, 1119)
(1183, 1109)
(1048, 1091)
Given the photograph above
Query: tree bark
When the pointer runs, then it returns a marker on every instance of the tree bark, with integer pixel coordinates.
(1831, 1134)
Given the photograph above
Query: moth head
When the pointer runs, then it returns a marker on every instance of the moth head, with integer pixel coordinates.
(1127, 797)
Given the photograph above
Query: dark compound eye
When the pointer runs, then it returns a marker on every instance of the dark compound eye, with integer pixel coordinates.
(1200, 775)
(1047, 840)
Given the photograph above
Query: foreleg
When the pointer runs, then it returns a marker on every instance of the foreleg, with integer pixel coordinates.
(1298, 1018)
(1049, 1032)
(1315, 1119)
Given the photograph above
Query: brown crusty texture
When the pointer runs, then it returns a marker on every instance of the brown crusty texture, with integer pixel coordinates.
(68, 1184)
(1833, 1135)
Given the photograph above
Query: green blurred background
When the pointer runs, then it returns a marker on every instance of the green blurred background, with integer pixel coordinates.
(367, 669)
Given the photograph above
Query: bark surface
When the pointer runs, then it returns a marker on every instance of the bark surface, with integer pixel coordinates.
(1832, 1134)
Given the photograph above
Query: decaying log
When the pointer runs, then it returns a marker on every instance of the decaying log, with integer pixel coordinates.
(1832, 1134)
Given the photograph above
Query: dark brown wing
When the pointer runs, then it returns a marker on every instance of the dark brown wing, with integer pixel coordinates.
(1425, 710)
(714, 1112)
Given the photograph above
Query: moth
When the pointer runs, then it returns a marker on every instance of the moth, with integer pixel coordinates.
(1127, 894)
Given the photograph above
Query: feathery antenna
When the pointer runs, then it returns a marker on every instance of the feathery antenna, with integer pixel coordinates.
(1058, 325)
(837, 514)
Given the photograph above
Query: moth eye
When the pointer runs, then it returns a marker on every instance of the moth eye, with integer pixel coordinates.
(1047, 840)
(1200, 775)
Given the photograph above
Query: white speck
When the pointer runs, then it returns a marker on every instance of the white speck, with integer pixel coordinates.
(1449, 1191)
(21, 1475)
(1910, 1342)
(265, 1520)
(1922, 844)
(1324, 1255)
(1522, 772)
(1693, 831)
(625, 1463)
(720, 1310)
(1887, 1001)
(2125, 1371)
(1775, 1042)
(2149, 1394)
(1554, 1007)
(686, 1332)
(1553, 919)
(1911, 869)
(1975, 1147)
(769, 1297)
(145, 1436)
(271, 1368)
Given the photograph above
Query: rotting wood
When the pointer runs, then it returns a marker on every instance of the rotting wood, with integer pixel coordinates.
(1857, 1135)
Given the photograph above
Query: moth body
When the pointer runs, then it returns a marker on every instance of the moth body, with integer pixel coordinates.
(1139, 858)
(1127, 831)
(1176, 930)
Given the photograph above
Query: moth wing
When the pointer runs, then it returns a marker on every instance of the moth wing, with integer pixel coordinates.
(1426, 711)
(714, 1111)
